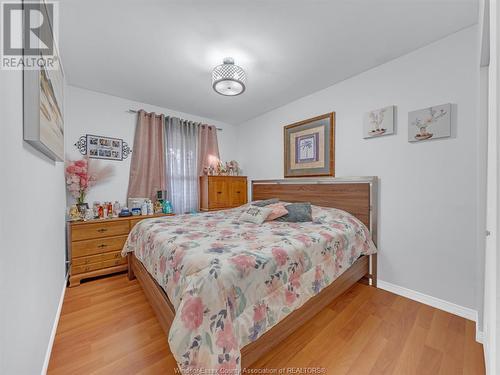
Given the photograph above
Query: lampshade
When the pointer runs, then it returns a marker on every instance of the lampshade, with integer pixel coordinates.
(228, 79)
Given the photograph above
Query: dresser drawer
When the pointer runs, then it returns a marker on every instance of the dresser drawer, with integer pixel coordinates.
(98, 230)
(97, 246)
(97, 258)
(97, 266)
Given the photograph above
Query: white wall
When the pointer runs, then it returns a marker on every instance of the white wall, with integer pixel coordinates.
(32, 239)
(427, 227)
(491, 275)
(90, 112)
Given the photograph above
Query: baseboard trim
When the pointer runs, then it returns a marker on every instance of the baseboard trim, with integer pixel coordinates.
(479, 336)
(54, 329)
(450, 307)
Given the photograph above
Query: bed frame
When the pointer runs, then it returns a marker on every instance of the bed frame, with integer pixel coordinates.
(356, 195)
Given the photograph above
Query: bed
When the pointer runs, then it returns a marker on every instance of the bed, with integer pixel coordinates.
(239, 289)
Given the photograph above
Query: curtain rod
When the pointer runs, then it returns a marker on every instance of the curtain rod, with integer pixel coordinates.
(134, 111)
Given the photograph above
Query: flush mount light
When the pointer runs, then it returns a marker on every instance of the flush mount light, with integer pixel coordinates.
(228, 79)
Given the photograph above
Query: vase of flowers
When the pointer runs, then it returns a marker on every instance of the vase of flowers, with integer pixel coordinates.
(80, 177)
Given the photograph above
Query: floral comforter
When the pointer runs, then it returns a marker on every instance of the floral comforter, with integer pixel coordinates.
(231, 281)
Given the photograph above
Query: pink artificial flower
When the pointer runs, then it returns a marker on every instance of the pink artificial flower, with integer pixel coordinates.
(226, 339)
(83, 182)
(192, 313)
(280, 255)
(81, 163)
(259, 312)
(243, 262)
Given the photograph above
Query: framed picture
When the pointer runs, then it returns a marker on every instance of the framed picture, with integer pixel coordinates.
(429, 123)
(99, 147)
(310, 147)
(379, 122)
(43, 124)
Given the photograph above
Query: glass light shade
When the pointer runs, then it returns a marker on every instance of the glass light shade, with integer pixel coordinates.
(228, 79)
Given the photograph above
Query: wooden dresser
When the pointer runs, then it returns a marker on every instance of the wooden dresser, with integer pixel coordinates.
(222, 192)
(95, 246)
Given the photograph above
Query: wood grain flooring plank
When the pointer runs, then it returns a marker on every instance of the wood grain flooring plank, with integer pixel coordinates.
(108, 327)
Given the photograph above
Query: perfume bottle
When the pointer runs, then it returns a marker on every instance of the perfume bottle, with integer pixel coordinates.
(167, 207)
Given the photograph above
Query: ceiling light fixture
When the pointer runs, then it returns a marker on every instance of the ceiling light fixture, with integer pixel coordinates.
(228, 79)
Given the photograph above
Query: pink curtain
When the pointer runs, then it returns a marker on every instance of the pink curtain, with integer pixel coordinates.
(208, 148)
(148, 167)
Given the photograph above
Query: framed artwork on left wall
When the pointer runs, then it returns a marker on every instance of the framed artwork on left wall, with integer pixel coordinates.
(309, 147)
(43, 95)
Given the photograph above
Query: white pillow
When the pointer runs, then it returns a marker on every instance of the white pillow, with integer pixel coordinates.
(256, 215)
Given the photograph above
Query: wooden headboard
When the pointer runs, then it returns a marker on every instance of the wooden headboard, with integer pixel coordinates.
(356, 195)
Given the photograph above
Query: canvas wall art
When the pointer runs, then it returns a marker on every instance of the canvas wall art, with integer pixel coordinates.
(310, 147)
(43, 124)
(429, 123)
(379, 122)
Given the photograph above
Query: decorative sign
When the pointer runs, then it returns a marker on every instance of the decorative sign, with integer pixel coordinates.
(98, 147)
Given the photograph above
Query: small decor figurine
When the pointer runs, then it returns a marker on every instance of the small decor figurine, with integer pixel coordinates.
(221, 169)
(233, 168)
(158, 208)
(74, 214)
(229, 168)
(81, 176)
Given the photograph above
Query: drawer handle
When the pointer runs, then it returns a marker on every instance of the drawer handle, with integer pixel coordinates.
(102, 245)
(219, 192)
(101, 230)
(238, 192)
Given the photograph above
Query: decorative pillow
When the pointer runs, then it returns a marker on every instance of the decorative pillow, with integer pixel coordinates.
(266, 202)
(279, 210)
(297, 213)
(256, 215)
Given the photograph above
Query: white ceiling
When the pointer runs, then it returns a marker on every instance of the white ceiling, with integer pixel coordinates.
(162, 52)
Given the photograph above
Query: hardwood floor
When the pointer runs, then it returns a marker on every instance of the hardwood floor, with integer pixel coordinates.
(107, 327)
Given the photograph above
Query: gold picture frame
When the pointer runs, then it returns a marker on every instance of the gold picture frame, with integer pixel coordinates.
(309, 147)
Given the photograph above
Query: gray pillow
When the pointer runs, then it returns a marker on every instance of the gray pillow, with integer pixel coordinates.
(266, 202)
(297, 213)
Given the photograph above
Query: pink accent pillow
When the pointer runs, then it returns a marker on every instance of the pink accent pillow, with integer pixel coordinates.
(279, 210)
